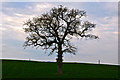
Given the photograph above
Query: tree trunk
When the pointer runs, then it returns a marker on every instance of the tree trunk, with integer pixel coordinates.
(59, 61)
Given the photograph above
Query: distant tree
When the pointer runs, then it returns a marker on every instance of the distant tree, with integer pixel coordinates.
(53, 30)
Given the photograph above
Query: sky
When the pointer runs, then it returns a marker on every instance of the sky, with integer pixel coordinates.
(103, 14)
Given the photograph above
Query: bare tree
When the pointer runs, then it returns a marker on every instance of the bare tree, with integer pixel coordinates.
(53, 30)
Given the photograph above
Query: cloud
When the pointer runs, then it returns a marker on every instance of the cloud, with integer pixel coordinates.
(13, 20)
(42, 7)
(11, 27)
(108, 25)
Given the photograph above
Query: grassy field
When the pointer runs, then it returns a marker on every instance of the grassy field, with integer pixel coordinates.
(33, 69)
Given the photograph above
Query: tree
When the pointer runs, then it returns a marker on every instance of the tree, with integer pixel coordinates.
(53, 30)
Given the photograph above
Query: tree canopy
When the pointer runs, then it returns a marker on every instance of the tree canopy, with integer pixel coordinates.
(57, 27)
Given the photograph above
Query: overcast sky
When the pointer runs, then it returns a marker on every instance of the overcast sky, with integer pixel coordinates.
(103, 14)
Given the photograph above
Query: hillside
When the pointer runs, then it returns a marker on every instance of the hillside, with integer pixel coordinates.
(34, 69)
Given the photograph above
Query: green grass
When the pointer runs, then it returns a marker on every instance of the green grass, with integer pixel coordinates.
(33, 69)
